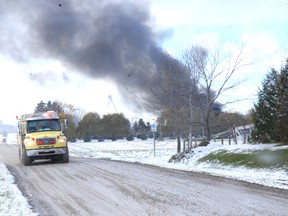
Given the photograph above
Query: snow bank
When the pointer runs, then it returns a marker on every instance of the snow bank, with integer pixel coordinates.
(12, 202)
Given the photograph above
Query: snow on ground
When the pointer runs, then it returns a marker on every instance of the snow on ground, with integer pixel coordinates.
(143, 152)
(13, 203)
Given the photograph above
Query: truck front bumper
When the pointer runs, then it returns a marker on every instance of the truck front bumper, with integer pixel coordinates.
(44, 152)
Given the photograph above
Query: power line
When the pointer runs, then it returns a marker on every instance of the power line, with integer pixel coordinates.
(111, 101)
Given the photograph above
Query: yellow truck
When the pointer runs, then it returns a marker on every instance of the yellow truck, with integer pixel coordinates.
(40, 136)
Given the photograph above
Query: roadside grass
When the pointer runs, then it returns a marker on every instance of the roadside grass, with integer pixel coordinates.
(266, 159)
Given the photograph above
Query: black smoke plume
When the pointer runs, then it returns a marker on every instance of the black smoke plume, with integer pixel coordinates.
(105, 39)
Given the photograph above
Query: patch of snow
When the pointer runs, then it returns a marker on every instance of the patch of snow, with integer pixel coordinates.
(12, 202)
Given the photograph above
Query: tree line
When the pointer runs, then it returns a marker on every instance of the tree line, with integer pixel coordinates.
(115, 125)
(110, 126)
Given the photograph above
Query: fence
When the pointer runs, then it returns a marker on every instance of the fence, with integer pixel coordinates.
(234, 135)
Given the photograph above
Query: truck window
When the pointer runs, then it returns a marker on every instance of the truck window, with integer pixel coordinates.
(43, 125)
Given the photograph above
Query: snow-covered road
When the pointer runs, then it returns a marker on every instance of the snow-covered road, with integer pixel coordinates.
(88, 186)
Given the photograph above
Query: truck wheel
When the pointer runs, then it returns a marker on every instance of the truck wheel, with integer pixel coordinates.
(25, 159)
(65, 157)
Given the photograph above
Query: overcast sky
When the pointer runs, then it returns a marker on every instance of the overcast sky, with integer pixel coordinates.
(76, 52)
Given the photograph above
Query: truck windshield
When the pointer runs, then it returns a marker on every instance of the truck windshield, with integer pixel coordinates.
(43, 125)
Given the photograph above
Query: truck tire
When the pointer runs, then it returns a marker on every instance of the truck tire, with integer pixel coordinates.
(25, 159)
(65, 157)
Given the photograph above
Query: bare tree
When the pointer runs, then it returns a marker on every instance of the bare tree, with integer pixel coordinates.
(75, 111)
(170, 94)
(211, 71)
(166, 91)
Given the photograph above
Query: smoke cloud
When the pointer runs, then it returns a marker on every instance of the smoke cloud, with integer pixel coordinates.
(101, 39)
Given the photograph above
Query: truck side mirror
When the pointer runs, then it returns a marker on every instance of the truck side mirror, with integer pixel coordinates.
(64, 124)
(20, 129)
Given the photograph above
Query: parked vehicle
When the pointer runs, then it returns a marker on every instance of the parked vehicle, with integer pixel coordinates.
(130, 137)
(143, 137)
(72, 139)
(100, 139)
(87, 139)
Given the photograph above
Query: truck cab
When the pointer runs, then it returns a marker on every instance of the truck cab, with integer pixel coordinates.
(40, 136)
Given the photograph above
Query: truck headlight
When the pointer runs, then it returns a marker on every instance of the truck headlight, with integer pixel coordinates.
(29, 142)
(61, 140)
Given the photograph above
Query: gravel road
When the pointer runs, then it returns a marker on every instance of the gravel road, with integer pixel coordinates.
(101, 187)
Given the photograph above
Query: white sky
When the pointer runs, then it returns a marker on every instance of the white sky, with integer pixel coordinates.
(260, 24)
(143, 152)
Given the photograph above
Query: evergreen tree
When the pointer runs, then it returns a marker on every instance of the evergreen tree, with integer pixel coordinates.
(49, 106)
(135, 128)
(41, 107)
(282, 104)
(55, 106)
(141, 128)
(264, 112)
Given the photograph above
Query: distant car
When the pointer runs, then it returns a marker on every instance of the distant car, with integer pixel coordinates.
(143, 137)
(87, 139)
(100, 139)
(130, 137)
(113, 138)
(72, 139)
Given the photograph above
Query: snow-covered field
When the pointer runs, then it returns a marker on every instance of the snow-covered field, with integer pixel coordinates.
(13, 203)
